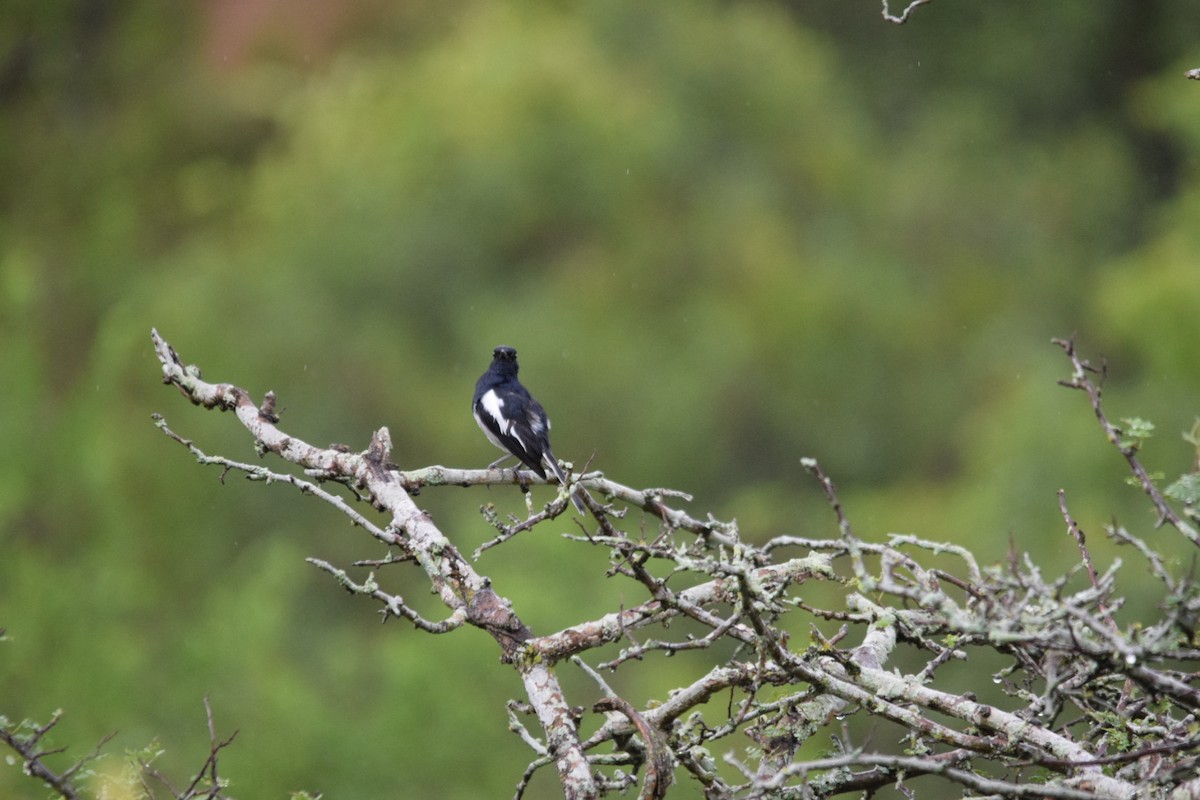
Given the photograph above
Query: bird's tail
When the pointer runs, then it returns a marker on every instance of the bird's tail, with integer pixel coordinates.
(552, 462)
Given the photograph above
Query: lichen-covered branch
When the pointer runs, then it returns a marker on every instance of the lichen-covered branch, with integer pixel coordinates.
(788, 635)
(461, 588)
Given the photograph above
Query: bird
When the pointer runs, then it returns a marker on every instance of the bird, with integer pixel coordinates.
(514, 421)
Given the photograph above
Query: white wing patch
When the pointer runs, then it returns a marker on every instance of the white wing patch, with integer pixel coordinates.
(493, 405)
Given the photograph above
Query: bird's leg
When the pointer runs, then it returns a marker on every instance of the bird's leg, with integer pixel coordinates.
(525, 491)
(524, 486)
(499, 461)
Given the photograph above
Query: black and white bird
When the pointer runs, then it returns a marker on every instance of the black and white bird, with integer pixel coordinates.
(514, 421)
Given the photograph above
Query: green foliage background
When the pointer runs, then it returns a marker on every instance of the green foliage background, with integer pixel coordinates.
(722, 236)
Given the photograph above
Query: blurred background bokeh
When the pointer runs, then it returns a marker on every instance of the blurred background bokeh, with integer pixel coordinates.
(723, 236)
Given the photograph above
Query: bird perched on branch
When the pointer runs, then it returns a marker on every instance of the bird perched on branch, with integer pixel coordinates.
(514, 421)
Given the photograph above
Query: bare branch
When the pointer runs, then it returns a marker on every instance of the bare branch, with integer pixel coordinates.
(903, 16)
(25, 740)
(1100, 711)
(1081, 379)
(393, 605)
(452, 577)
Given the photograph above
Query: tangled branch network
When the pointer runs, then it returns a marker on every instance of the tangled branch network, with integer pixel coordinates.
(855, 685)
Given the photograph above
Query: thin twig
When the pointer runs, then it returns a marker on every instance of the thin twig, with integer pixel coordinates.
(902, 18)
(1080, 379)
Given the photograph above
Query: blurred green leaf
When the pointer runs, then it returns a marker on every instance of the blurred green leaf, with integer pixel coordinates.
(1134, 432)
(1185, 490)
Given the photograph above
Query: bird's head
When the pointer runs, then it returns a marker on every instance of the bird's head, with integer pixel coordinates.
(505, 354)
